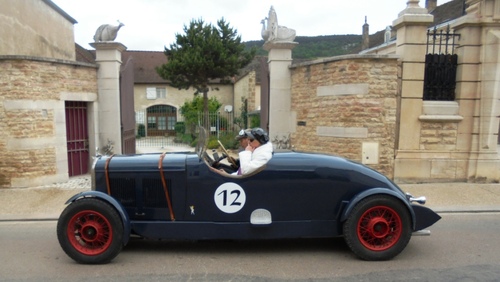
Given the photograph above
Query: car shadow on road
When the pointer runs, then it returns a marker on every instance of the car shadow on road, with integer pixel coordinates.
(336, 245)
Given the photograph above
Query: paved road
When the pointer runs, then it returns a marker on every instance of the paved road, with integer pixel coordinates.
(462, 247)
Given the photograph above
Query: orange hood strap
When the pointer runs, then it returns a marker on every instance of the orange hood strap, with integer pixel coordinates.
(169, 203)
(106, 173)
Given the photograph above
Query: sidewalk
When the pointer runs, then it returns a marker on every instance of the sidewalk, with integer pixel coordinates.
(47, 202)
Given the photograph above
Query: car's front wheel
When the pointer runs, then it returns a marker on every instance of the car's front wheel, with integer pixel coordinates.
(90, 231)
(378, 228)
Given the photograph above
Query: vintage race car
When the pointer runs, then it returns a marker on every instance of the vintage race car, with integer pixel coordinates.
(295, 195)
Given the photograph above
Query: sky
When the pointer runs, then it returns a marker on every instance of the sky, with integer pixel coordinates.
(151, 25)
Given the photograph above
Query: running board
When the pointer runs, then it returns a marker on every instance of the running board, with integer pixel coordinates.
(423, 232)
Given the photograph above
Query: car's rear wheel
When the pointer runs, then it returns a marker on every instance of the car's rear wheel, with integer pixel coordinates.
(378, 228)
(90, 231)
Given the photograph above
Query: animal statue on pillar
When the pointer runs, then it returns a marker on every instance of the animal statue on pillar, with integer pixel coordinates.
(107, 32)
(275, 32)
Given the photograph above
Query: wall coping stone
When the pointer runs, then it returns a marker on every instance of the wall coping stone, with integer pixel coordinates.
(346, 57)
(48, 60)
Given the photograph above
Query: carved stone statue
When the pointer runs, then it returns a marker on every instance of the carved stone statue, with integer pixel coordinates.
(275, 32)
(107, 32)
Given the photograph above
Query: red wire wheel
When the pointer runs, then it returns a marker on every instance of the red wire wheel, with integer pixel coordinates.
(90, 232)
(378, 227)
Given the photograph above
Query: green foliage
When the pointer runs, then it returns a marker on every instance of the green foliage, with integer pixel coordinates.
(212, 143)
(202, 54)
(229, 141)
(254, 121)
(318, 46)
(180, 127)
(184, 138)
(191, 109)
(242, 120)
(141, 130)
(223, 123)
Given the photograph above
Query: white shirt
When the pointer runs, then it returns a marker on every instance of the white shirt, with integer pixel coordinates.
(250, 162)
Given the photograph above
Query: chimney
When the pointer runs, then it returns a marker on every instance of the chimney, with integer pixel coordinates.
(365, 37)
(430, 5)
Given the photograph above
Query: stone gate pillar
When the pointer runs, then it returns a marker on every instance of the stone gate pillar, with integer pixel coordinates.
(109, 60)
(479, 87)
(281, 118)
(411, 28)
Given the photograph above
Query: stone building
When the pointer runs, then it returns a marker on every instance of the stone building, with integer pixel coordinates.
(52, 115)
(371, 107)
(41, 84)
(57, 106)
(59, 101)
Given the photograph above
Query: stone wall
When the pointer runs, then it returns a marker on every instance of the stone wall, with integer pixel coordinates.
(36, 28)
(246, 88)
(32, 117)
(347, 106)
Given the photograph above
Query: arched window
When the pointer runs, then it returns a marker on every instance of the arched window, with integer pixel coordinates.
(161, 120)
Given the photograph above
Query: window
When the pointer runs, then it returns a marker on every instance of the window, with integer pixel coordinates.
(162, 123)
(171, 122)
(153, 93)
(161, 93)
(152, 122)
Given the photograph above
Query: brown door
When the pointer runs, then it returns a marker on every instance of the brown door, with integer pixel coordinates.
(161, 120)
(77, 138)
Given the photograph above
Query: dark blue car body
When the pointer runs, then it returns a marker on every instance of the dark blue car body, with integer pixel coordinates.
(296, 195)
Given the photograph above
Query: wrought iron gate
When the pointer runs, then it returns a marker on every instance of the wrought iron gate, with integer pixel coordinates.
(77, 138)
(440, 66)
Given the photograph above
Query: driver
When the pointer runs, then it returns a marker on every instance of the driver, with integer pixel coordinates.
(257, 153)
(242, 139)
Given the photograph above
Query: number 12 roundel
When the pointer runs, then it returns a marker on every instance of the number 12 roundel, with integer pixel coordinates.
(230, 197)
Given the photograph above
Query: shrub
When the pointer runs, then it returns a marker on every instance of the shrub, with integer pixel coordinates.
(141, 130)
(255, 121)
(180, 127)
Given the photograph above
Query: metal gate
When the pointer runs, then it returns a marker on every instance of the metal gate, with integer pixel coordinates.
(77, 138)
(440, 65)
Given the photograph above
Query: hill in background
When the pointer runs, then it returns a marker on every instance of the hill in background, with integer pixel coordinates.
(313, 47)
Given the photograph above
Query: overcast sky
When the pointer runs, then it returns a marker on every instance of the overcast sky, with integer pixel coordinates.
(152, 24)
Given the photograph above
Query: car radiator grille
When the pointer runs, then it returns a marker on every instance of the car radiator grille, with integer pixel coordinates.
(153, 193)
(123, 189)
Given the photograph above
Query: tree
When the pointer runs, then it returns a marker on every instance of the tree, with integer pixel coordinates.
(191, 109)
(242, 120)
(205, 54)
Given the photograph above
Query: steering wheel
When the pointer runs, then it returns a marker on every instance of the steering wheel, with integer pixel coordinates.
(208, 159)
(231, 159)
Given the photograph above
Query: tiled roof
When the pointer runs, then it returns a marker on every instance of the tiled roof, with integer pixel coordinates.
(84, 55)
(145, 63)
(448, 11)
(443, 13)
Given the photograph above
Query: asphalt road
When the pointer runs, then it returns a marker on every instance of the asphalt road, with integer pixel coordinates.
(462, 247)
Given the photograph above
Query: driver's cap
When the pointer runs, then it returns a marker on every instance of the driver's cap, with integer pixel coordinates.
(242, 134)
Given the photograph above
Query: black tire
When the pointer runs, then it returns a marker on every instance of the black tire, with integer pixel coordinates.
(90, 231)
(378, 228)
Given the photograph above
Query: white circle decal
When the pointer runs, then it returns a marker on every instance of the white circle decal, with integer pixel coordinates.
(230, 197)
